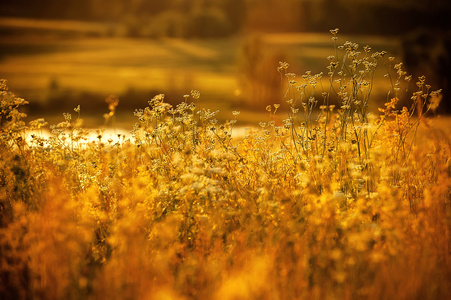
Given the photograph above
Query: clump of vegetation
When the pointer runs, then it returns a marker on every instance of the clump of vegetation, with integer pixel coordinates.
(329, 202)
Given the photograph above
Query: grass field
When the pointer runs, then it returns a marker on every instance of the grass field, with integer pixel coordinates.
(334, 207)
(322, 198)
(54, 62)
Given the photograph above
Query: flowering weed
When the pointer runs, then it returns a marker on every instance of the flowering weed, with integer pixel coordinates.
(331, 202)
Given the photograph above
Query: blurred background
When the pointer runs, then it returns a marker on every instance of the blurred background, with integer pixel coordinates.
(58, 54)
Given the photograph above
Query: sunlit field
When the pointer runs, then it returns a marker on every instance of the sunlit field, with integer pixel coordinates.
(322, 199)
(57, 65)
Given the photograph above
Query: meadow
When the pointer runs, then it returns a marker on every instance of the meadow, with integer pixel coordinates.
(323, 199)
(57, 65)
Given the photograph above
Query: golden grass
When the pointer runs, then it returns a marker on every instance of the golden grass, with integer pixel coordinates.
(330, 203)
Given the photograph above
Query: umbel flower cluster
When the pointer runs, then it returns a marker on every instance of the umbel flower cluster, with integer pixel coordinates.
(323, 200)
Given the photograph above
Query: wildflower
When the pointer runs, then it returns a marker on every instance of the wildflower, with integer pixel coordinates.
(195, 94)
(334, 31)
(282, 66)
(38, 123)
(398, 66)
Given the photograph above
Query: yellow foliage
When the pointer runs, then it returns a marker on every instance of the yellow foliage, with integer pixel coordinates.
(329, 204)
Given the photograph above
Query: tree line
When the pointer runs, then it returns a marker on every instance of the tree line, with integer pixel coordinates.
(205, 18)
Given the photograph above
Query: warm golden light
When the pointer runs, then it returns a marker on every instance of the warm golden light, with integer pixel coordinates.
(224, 149)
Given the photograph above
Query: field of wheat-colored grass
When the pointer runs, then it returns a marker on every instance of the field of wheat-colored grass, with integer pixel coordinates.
(323, 200)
